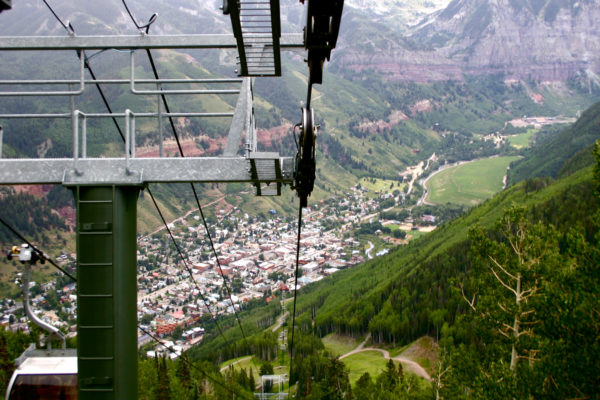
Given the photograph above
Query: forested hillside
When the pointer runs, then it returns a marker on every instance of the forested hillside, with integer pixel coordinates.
(509, 290)
(30, 215)
(549, 156)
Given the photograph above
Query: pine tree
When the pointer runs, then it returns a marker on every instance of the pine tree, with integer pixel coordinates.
(163, 391)
(388, 380)
(365, 388)
(336, 384)
(242, 378)
(400, 372)
(183, 373)
(6, 363)
(251, 381)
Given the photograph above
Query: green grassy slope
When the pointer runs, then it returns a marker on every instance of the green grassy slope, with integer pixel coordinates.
(404, 295)
(469, 183)
(356, 300)
(547, 158)
(397, 297)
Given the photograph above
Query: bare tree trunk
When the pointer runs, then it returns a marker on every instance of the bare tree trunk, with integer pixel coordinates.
(514, 356)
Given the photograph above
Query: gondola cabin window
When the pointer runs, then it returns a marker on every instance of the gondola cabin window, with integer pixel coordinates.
(44, 378)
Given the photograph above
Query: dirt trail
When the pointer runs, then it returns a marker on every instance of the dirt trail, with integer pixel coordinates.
(280, 321)
(233, 363)
(182, 217)
(410, 365)
(362, 345)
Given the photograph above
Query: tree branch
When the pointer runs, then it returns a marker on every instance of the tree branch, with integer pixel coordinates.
(525, 294)
(502, 282)
(502, 268)
(525, 332)
(472, 302)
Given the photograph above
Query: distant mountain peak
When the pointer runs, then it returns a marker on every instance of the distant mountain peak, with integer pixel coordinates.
(400, 15)
(547, 40)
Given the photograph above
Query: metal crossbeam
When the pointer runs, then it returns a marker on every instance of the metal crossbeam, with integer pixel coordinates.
(241, 120)
(131, 42)
(137, 171)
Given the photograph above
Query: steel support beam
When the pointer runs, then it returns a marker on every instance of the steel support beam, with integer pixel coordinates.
(138, 171)
(134, 42)
(240, 122)
(106, 292)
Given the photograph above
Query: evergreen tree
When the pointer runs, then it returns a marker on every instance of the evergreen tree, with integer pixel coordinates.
(251, 381)
(388, 380)
(267, 369)
(336, 384)
(400, 372)
(6, 363)
(147, 379)
(365, 388)
(242, 378)
(183, 373)
(163, 391)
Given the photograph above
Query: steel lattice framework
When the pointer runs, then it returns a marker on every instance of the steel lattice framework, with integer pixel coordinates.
(106, 189)
(80, 169)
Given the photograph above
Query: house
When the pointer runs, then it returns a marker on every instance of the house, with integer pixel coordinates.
(200, 267)
(310, 267)
(429, 218)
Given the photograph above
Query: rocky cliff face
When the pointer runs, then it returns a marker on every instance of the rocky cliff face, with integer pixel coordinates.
(545, 40)
(549, 40)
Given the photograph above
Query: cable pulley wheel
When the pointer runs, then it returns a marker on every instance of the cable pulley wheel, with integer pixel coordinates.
(304, 175)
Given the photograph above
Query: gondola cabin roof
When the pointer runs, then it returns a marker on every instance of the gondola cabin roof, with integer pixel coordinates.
(48, 365)
(50, 377)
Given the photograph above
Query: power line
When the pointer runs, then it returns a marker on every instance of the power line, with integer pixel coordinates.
(305, 167)
(89, 68)
(140, 27)
(184, 359)
(295, 294)
(218, 263)
(187, 267)
(70, 30)
(167, 109)
(40, 253)
(197, 368)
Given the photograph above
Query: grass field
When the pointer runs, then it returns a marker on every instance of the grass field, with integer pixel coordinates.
(414, 235)
(522, 140)
(338, 345)
(469, 183)
(380, 185)
(366, 361)
(253, 364)
(250, 364)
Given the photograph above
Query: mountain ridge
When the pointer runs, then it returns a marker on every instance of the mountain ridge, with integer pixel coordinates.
(556, 43)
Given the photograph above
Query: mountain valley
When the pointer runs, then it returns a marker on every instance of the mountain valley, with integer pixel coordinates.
(402, 271)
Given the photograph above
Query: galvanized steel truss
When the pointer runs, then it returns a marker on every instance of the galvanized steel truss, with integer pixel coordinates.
(235, 165)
